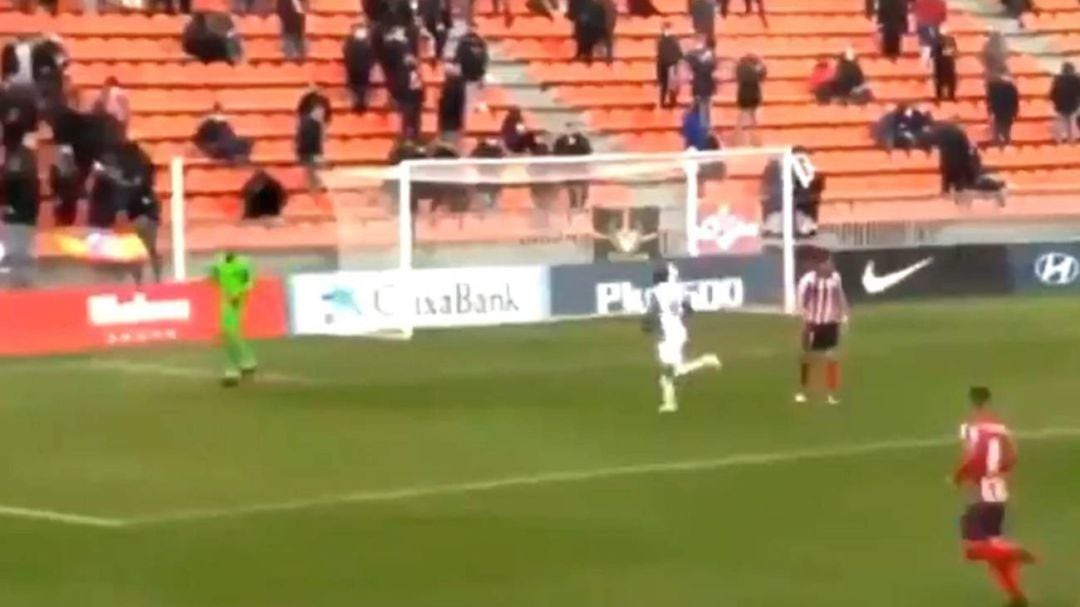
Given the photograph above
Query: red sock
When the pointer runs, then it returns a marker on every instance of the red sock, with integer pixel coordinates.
(1007, 575)
(832, 375)
(804, 374)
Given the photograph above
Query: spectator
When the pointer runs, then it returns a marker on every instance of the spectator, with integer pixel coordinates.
(293, 20)
(211, 38)
(929, 17)
(1017, 8)
(607, 39)
(702, 64)
(264, 196)
(141, 204)
(515, 136)
(113, 102)
(488, 187)
(749, 4)
(954, 160)
(49, 61)
(892, 19)
(910, 128)
(19, 115)
(435, 17)
(694, 131)
(216, 139)
(668, 55)
(849, 83)
(589, 28)
(543, 189)
(20, 191)
(412, 101)
(310, 135)
(995, 55)
(573, 143)
(750, 72)
(16, 62)
(944, 55)
(1065, 97)
(703, 19)
(391, 58)
(821, 81)
(472, 57)
(67, 184)
(1003, 105)
(314, 98)
(452, 105)
(359, 57)
(106, 191)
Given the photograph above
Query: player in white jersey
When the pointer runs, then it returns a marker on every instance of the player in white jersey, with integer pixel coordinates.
(669, 303)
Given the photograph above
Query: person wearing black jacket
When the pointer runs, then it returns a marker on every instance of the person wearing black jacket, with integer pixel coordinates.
(293, 18)
(943, 54)
(19, 115)
(954, 158)
(702, 62)
(668, 55)
(49, 60)
(515, 135)
(892, 18)
(141, 204)
(452, 105)
(472, 56)
(310, 133)
(573, 143)
(435, 16)
(1065, 97)
(68, 185)
(20, 194)
(216, 138)
(314, 98)
(1003, 105)
(750, 72)
(212, 37)
(488, 188)
(589, 27)
(703, 19)
(107, 195)
(263, 196)
(359, 59)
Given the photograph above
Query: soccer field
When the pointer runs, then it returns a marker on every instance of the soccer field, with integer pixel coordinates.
(528, 466)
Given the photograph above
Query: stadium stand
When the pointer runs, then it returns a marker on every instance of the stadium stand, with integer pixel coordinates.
(169, 93)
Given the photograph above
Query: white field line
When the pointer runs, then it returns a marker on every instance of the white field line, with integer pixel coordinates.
(577, 476)
(65, 518)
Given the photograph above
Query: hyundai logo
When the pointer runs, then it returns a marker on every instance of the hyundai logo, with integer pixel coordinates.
(1057, 269)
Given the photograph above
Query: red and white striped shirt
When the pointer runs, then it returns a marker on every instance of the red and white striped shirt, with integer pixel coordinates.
(989, 455)
(821, 298)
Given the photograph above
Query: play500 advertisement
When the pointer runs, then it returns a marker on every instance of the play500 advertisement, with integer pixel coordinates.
(356, 303)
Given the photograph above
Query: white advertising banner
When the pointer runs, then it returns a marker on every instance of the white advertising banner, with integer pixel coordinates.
(357, 303)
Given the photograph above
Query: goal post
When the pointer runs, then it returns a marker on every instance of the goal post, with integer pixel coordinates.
(405, 226)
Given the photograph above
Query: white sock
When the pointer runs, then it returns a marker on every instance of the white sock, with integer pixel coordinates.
(667, 390)
(694, 365)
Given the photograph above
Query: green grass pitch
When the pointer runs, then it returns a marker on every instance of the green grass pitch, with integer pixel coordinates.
(355, 472)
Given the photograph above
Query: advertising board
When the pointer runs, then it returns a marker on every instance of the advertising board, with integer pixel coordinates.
(1045, 267)
(891, 274)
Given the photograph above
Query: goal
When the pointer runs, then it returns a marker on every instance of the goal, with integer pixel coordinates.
(444, 242)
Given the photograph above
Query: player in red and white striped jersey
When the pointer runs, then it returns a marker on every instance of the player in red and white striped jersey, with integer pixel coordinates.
(989, 455)
(824, 308)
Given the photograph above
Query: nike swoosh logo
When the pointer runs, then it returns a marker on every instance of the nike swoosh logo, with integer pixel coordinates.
(875, 284)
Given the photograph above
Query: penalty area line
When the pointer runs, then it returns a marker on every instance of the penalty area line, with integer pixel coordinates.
(578, 476)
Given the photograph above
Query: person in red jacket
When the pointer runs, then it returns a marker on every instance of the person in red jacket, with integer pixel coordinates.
(929, 15)
(989, 455)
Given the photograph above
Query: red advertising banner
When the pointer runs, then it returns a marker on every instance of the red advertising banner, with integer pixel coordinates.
(97, 317)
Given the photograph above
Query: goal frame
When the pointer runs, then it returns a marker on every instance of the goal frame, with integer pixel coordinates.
(690, 160)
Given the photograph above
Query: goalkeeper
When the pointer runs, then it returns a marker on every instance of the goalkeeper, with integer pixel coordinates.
(234, 278)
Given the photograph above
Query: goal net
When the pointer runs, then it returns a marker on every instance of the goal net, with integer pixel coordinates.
(436, 242)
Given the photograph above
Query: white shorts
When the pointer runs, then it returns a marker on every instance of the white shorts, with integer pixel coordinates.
(670, 352)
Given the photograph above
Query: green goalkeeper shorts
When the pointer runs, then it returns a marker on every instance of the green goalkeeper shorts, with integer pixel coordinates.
(231, 318)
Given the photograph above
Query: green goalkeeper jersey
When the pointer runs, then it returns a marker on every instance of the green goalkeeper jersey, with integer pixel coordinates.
(234, 277)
